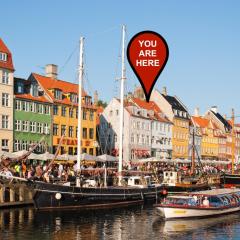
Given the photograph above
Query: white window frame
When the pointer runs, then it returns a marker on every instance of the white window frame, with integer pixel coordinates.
(5, 77)
(5, 121)
(18, 125)
(3, 56)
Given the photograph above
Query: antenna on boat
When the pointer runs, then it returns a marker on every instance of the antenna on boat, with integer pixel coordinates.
(123, 78)
(193, 152)
(80, 80)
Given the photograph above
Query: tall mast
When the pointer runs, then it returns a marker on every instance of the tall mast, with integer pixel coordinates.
(233, 142)
(193, 151)
(123, 78)
(80, 81)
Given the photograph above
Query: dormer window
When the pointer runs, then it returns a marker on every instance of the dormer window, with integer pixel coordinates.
(3, 56)
(34, 90)
(73, 98)
(58, 94)
(20, 87)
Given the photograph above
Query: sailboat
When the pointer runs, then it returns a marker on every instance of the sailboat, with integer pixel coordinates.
(51, 196)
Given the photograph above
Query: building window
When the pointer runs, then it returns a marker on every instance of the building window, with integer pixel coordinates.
(91, 115)
(39, 108)
(33, 126)
(117, 112)
(3, 56)
(110, 113)
(132, 138)
(63, 130)
(84, 150)
(64, 111)
(32, 107)
(5, 99)
(76, 113)
(73, 98)
(147, 141)
(76, 132)
(23, 105)
(46, 109)
(39, 128)
(20, 87)
(70, 131)
(58, 94)
(84, 115)
(71, 112)
(84, 133)
(46, 128)
(18, 105)
(70, 150)
(34, 90)
(18, 125)
(91, 133)
(5, 120)
(55, 129)
(55, 110)
(91, 151)
(5, 77)
(143, 139)
(4, 144)
(24, 126)
(17, 145)
(115, 138)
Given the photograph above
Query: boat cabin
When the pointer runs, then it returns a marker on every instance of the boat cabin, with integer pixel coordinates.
(170, 178)
(141, 182)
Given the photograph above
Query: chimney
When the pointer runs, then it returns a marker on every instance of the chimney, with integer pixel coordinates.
(214, 109)
(164, 91)
(95, 97)
(196, 112)
(51, 71)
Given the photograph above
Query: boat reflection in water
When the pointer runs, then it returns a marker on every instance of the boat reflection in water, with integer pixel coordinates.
(140, 222)
(201, 228)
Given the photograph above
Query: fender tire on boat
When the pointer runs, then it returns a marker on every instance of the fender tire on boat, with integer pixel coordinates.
(58, 196)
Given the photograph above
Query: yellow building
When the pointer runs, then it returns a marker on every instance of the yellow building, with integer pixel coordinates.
(176, 112)
(210, 138)
(64, 97)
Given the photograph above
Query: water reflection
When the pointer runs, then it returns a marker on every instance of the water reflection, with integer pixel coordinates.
(129, 223)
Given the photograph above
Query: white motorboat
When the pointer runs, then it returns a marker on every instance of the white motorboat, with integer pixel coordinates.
(200, 204)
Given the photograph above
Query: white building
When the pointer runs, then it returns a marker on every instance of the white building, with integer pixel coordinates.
(146, 132)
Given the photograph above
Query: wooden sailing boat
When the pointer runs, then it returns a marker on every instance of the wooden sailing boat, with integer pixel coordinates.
(49, 196)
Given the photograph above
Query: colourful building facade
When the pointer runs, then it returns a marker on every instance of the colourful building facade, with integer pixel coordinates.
(64, 98)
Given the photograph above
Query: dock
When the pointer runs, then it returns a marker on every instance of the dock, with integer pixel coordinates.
(15, 195)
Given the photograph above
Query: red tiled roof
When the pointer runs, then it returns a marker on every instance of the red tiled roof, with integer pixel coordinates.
(9, 63)
(201, 122)
(100, 110)
(30, 97)
(50, 83)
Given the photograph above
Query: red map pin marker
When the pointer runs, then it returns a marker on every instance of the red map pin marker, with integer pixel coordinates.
(147, 54)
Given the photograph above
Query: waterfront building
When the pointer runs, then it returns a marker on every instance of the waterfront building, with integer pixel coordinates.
(178, 114)
(64, 98)
(195, 128)
(161, 129)
(6, 95)
(209, 144)
(147, 131)
(32, 116)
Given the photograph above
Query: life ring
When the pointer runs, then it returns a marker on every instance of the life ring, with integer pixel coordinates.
(58, 196)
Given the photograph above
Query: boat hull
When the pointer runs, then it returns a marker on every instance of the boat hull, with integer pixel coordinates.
(178, 212)
(50, 196)
(230, 180)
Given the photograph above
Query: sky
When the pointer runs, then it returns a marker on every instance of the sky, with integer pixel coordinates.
(203, 69)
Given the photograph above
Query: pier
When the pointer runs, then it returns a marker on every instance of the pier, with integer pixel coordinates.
(15, 194)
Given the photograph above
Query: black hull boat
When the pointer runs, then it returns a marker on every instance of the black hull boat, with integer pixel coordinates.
(186, 188)
(230, 180)
(53, 196)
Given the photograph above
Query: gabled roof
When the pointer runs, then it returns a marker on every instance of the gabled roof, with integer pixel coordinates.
(200, 121)
(226, 124)
(9, 63)
(174, 103)
(48, 83)
(151, 105)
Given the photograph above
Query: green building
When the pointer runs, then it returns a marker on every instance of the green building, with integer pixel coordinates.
(32, 117)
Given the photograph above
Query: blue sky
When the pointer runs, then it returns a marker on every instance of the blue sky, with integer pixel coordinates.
(203, 38)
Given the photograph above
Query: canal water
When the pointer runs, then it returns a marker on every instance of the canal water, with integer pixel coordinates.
(140, 222)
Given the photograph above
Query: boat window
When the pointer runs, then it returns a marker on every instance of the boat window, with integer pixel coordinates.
(215, 201)
(225, 200)
(137, 181)
(171, 174)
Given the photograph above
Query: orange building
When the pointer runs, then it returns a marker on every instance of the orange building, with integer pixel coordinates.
(64, 97)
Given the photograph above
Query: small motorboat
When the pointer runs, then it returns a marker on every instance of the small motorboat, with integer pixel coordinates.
(200, 204)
